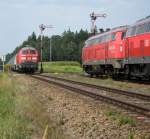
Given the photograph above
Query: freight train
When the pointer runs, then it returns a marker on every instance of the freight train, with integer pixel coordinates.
(26, 60)
(122, 51)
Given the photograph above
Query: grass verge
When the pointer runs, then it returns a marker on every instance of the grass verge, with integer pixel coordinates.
(12, 124)
(62, 67)
(22, 115)
(120, 118)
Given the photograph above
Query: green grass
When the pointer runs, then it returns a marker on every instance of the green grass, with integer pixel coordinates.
(62, 67)
(131, 135)
(120, 118)
(22, 115)
(12, 124)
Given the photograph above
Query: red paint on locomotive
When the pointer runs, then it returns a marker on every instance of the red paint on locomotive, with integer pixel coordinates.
(26, 60)
(115, 53)
(104, 49)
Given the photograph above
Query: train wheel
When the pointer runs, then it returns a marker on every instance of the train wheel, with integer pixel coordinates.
(91, 75)
(116, 76)
(97, 75)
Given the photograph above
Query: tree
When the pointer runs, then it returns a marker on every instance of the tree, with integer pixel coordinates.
(67, 46)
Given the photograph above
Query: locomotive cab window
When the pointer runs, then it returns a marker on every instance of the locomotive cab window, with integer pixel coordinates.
(24, 52)
(123, 35)
(32, 52)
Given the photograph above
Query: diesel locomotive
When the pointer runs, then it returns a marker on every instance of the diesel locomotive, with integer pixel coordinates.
(122, 51)
(26, 60)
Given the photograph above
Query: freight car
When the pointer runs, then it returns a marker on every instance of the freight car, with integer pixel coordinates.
(26, 60)
(114, 53)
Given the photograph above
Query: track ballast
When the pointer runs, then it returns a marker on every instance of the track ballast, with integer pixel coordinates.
(132, 101)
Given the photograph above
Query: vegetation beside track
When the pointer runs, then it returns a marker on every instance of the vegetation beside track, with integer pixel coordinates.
(62, 67)
(13, 125)
(22, 116)
(120, 118)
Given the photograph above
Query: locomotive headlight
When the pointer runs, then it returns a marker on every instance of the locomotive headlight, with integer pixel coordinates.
(23, 58)
(34, 58)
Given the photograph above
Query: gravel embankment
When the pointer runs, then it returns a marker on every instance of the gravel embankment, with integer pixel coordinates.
(80, 117)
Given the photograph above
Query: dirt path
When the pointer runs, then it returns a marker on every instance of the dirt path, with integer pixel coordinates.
(79, 117)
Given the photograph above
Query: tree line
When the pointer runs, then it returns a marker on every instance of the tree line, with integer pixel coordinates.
(65, 47)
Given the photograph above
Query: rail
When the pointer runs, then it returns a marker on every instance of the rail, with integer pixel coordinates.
(120, 103)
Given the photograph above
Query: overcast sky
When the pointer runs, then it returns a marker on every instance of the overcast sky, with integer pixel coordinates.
(19, 18)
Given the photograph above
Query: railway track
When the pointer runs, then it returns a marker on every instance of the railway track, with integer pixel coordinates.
(132, 80)
(124, 99)
(113, 90)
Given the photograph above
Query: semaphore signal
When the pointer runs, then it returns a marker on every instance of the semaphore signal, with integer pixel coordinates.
(93, 17)
(42, 28)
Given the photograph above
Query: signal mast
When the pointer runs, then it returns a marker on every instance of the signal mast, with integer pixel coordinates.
(93, 20)
(42, 28)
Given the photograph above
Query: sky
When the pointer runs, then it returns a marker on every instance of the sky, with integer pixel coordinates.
(19, 18)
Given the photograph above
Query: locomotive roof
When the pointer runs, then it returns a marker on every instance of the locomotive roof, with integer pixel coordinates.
(26, 48)
(116, 29)
(142, 21)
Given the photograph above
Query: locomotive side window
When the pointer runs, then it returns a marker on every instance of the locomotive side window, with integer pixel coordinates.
(24, 52)
(148, 27)
(92, 42)
(131, 31)
(104, 38)
(95, 41)
(100, 39)
(113, 36)
(123, 35)
(108, 38)
(128, 32)
(32, 52)
(141, 29)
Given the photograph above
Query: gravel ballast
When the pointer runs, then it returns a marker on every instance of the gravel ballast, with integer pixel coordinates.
(80, 117)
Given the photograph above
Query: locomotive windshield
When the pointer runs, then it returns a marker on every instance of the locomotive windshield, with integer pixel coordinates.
(24, 52)
(32, 52)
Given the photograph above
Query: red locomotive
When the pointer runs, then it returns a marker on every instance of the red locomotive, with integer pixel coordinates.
(137, 60)
(103, 53)
(123, 50)
(26, 60)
